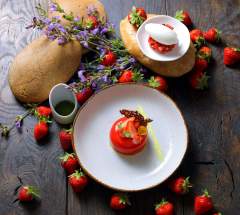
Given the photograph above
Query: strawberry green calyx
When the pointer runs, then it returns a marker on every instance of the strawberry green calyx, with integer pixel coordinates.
(124, 199)
(163, 202)
(199, 42)
(206, 194)
(137, 76)
(153, 83)
(66, 156)
(203, 82)
(32, 191)
(218, 36)
(237, 49)
(179, 15)
(42, 118)
(186, 185)
(77, 174)
(135, 18)
(69, 131)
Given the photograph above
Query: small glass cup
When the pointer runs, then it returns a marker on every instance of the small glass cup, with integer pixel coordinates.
(60, 93)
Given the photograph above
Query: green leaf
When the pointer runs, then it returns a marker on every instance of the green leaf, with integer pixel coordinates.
(179, 15)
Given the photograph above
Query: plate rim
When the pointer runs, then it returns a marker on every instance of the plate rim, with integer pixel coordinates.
(155, 17)
(107, 185)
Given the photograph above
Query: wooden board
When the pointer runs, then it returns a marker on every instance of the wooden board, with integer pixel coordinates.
(213, 119)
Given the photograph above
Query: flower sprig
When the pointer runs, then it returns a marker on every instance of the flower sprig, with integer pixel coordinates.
(95, 34)
(5, 130)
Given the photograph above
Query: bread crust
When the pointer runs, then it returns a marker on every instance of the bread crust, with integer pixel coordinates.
(41, 65)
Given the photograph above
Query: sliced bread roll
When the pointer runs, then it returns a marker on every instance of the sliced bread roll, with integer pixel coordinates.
(175, 68)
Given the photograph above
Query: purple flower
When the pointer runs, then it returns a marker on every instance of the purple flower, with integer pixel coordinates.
(100, 67)
(61, 28)
(53, 7)
(84, 44)
(94, 85)
(122, 67)
(105, 78)
(81, 76)
(102, 52)
(95, 31)
(76, 19)
(52, 26)
(61, 40)
(78, 37)
(56, 17)
(52, 37)
(46, 21)
(132, 60)
(104, 30)
(82, 35)
(18, 124)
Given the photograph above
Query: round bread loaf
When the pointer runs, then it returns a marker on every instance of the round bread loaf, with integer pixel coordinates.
(175, 68)
(40, 66)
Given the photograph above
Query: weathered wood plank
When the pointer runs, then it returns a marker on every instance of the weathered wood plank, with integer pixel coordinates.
(20, 155)
(212, 116)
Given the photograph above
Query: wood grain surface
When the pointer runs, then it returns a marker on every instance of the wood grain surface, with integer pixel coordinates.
(212, 116)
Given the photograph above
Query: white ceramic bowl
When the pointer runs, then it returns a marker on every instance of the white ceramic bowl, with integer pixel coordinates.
(141, 171)
(182, 34)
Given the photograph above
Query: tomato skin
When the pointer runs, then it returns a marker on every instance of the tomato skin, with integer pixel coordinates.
(125, 145)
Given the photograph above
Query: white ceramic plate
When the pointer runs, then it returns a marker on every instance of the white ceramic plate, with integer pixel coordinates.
(136, 172)
(182, 34)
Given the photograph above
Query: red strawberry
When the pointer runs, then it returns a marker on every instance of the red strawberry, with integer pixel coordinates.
(119, 201)
(84, 95)
(92, 22)
(40, 130)
(199, 80)
(127, 76)
(130, 76)
(27, 194)
(212, 35)
(65, 137)
(197, 37)
(184, 17)
(164, 208)
(180, 185)
(158, 83)
(44, 111)
(205, 53)
(201, 64)
(203, 204)
(109, 59)
(137, 16)
(78, 181)
(231, 55)
(69, 162)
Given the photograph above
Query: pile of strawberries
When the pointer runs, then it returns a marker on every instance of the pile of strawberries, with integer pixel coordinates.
(199, 78)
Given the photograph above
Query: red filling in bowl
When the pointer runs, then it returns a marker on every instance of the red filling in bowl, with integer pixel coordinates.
(159, 47)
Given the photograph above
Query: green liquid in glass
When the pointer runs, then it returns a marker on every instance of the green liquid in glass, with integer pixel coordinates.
(64, 108)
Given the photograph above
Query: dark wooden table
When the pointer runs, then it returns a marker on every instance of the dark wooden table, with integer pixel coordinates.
(213, 158)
